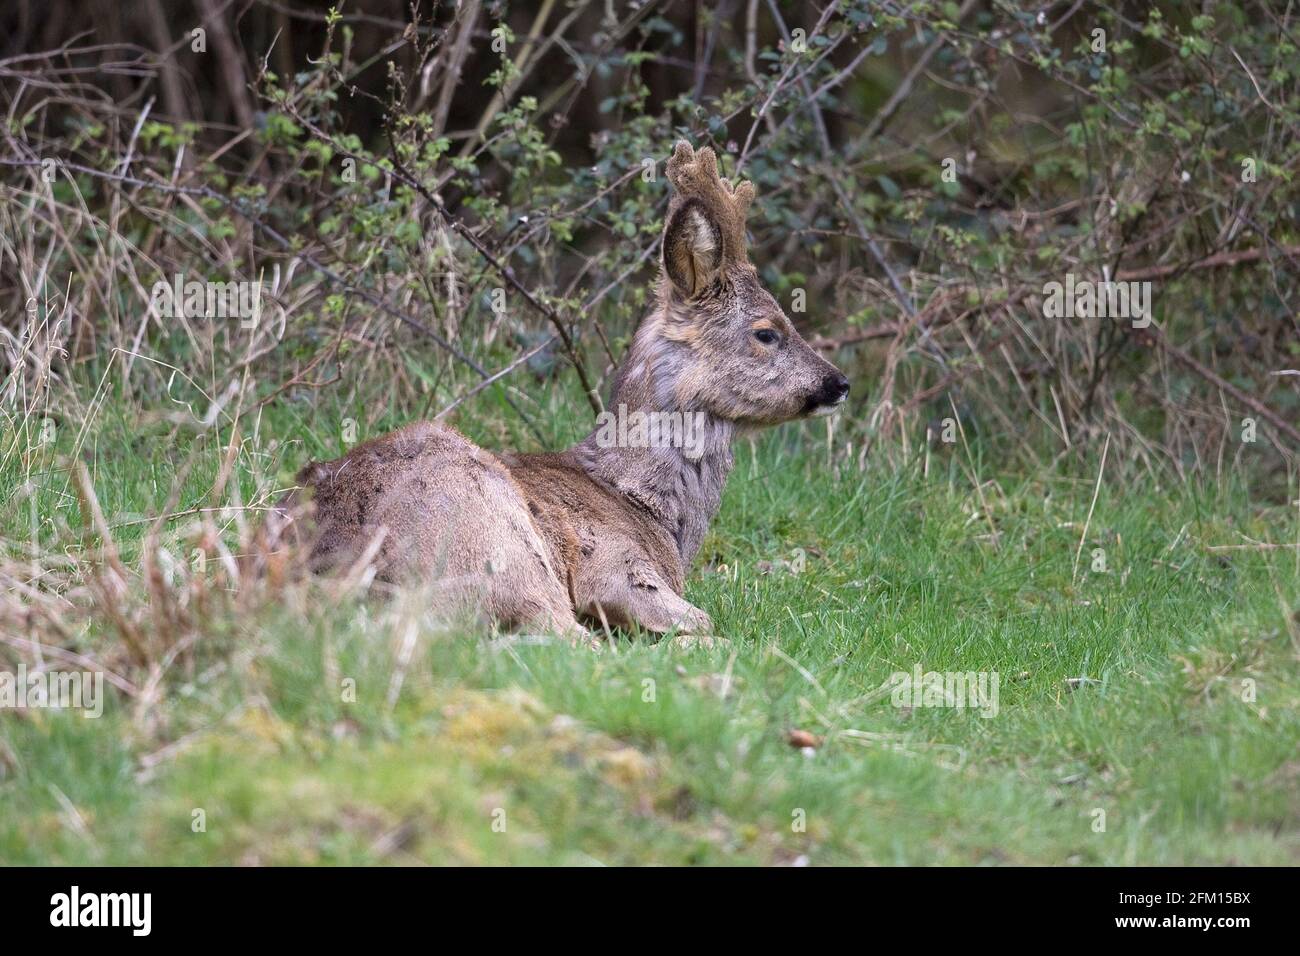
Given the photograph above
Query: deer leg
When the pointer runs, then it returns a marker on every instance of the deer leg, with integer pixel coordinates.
(557, 619)
(642, 598)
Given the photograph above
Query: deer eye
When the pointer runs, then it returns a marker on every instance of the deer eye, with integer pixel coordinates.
(766, 336)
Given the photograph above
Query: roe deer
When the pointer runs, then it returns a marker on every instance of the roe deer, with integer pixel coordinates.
(605, 531)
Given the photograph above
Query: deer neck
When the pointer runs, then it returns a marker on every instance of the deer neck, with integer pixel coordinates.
(667, 458)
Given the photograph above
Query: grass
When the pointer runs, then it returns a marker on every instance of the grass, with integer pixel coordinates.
(252, 747)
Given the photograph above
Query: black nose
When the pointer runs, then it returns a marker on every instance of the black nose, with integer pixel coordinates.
(834, 388)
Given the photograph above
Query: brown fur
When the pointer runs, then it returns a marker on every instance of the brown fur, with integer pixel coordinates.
(594, 534)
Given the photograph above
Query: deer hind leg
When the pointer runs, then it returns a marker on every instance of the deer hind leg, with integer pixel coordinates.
(463, 531)
(491, 559)
(519, 602)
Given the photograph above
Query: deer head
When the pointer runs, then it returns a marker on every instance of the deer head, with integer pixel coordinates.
(724, 342)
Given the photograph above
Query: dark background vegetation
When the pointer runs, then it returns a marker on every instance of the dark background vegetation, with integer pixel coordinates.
(528, 158)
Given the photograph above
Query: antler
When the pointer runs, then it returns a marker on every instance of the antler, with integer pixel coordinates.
(695, 176)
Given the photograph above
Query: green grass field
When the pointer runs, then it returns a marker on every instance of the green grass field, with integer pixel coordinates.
(1179, 746)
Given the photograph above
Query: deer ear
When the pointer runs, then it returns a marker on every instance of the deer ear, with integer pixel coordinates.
(692, 248)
